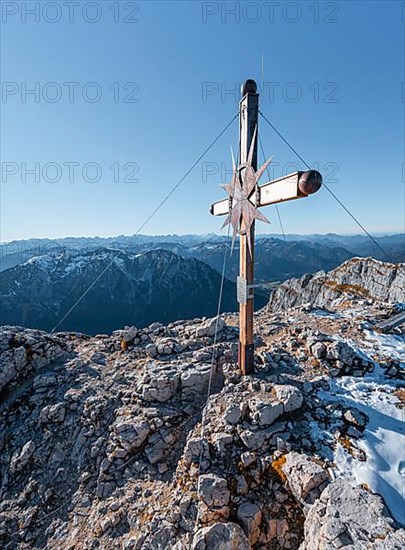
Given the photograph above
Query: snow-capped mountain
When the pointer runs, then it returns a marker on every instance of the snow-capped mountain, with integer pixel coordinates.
(135, 289)
(278, 257)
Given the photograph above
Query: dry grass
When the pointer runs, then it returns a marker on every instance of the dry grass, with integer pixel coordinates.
(347, 444)
(357, 289)
(400, 393)
(124, 345)
(277, 467)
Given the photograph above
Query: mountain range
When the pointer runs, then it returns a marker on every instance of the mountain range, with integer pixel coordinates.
(135, 289)
(155, 278)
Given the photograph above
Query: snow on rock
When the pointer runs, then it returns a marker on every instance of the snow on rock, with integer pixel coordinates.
(378, 457)
(383, 442)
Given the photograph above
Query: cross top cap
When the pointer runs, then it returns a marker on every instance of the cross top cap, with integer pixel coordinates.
(310, 182)
(248, 87)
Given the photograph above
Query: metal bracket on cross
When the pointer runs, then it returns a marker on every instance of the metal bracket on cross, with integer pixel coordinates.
(242, 209)
(244, 292)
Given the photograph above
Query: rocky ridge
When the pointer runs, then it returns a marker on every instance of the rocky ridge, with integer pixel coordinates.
(102, 445)
(362, 277)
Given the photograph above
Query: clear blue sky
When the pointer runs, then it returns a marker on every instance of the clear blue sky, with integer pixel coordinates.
(351, 52)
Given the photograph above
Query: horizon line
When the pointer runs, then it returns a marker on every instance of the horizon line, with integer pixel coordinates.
(146, 235)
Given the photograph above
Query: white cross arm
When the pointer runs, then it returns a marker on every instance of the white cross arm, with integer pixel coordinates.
(286, 188)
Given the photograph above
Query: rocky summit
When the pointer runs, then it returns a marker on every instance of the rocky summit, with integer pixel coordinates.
(104, 443)
(365, 277)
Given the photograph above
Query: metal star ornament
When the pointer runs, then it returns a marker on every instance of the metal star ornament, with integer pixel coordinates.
(243, 184)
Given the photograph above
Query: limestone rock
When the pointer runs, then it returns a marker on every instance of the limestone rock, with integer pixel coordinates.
(234, 413)
(195, 379)
(208, 327)
(157, 448)
(341, 351)
(305, 477)
(215, 495)
(265, 411)
(250, 517)
(196, 447)
(129, 335)
(393, 541)
(131, 435)
(318, 350)
(289, 396)
(161, 387)
(151, 350)
(352, 517)
(356, 417)
(165, 346)
(363, 277)
(21, 459)
(221, 536)
(52, 413)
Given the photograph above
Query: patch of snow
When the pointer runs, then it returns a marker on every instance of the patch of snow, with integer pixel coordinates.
(354, 312)
(324, 313)
(76, 264)
(384, 436)
(388, 345)
(45, 262)
(324, 440)
(119, 262)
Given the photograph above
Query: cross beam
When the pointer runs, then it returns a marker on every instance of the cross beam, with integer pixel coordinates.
(286, 188)
(245, 197)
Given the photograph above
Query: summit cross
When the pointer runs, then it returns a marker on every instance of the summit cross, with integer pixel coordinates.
(245, 197)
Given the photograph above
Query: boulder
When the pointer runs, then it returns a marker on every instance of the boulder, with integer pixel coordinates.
(161, 387)
(256, 439)
(265, 411)
(289, 396)
(351, 517)
(157, 448)
(52, 413)
(20, 459)
(195, 448)
(250, 517)
(221, 536)
(305, 477)
(151, 350)
(234, 413)
(165, 346)
(129, 335)
(356, 417)
(318, 350)
(194, 379)
(215, 496)
(209, 326)
(131, 435)
(341, 351)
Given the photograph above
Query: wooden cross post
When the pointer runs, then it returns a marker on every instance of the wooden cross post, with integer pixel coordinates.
(241, 208)
(248, 122)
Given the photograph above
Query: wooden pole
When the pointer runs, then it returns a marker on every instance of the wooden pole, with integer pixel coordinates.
(248, 121)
